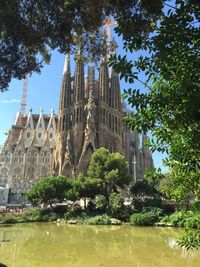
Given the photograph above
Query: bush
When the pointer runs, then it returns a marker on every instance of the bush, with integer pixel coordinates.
(98, 220)
(73, 212)
(8, 218)
(91, 208)
(60, 210)
(187, 219)
(101, 203)
(147, 217)
(39, 215)
(115, 205)
(168, 208)
(139, 203)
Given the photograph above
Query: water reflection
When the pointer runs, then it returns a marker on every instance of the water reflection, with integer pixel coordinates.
(53, 245)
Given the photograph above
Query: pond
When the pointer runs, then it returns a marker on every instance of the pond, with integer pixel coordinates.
(52, 245)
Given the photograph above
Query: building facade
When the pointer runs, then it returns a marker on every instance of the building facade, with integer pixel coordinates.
(89, 117)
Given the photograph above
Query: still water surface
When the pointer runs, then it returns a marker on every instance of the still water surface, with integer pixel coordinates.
(52, 245)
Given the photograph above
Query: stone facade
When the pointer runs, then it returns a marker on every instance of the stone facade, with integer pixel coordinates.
(90, 116)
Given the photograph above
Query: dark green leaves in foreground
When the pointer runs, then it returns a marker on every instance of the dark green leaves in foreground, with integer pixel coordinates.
(29, 30)
(190, 240)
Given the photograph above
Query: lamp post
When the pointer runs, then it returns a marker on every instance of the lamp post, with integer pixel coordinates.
(134, 162)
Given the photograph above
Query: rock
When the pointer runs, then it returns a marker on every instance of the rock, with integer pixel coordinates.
(161, 224)
(61, 221)
(72, 222)
(114, 221)
(169, 224)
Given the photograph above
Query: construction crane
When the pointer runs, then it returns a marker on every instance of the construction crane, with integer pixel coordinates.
(24, 94)
(109, 23)
(110, 45)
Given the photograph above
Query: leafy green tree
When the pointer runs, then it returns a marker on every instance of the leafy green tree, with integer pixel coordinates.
(49, 190)
(31, 29)
(110, 170)
(85, 188)
(115, 205)
(169, 107)
(101, 203)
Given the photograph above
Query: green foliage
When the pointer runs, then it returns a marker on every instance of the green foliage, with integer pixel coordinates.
(169, 107)
(145, 194)
(110, 170)
(32, 28)
(86, 187)
(98, 220)
(190, 240)
(101, 202)
(39, 215)
(139, 203)
(73, 212)
(144, 188)
(115, 205)
(8, 218)
(183, 186)
(186, 219)
(147, 217)
(49, 190)
(32, 215)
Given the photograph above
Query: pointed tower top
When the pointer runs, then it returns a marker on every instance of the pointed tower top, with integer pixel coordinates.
(52, 111)
(41, 110)
(104, 52)
(24, 94)
(66, 68)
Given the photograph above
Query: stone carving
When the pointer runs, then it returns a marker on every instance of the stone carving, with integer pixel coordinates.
(68, 154)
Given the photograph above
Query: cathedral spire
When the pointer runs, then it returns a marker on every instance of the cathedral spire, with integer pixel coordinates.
(79, 78)
(115, 94)
(24, 94)
(67, 68)
(104, 76)
(65, 97)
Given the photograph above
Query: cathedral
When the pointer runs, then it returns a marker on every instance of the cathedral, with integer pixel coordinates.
(89, 117)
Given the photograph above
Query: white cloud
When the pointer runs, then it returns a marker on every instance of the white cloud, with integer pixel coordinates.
(10, 101)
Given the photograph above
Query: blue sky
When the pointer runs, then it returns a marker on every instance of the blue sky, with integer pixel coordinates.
(44, 91)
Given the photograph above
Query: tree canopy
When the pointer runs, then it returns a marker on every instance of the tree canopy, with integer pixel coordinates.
(31, 29)
(169, 107)
(49, 190)
(109, 169)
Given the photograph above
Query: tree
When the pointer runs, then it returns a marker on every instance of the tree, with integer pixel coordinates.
(110, 170)
(169, 107)
(31, 29)
(86, 187)
(49, 190)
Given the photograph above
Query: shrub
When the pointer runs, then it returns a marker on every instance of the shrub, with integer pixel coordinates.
(187, 219)
(115, 205)
(73, 212)
(98, 220)
(101, 203)
(8, 218)
(190, 240)
(39, 215)
(60, 210)
(193, 221)
(139, 203)
(91, 207)
(147, 217)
